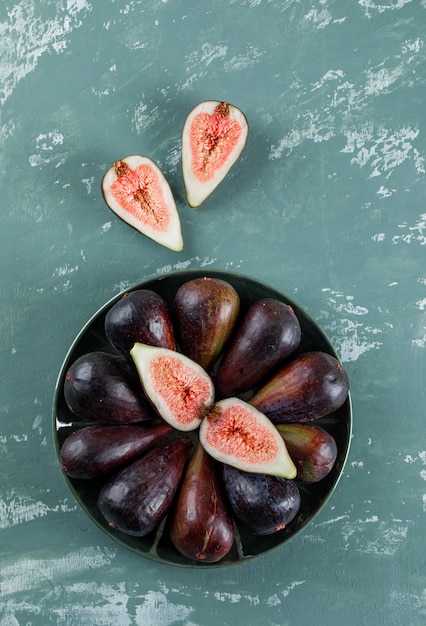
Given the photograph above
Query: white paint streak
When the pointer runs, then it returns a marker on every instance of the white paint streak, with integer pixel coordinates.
(22, 509)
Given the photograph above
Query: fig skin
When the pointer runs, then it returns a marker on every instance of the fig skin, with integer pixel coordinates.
(139, 316)
(311, 385)
(263, 503)
(205, 312)
(97, 450)
(137, 498)
(201, 527)
(268, 333)
(312, 449)
(99, 387)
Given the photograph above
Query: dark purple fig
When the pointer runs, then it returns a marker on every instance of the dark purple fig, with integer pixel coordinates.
(141, 315)
(311, 385)
(138, 497)
(264, 503)
(201, 527)
(99, 449)
(269, 332)
(312, 449)
(99, 387)
(205, 312)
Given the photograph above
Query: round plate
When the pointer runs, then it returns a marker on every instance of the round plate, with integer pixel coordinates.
(157, 546)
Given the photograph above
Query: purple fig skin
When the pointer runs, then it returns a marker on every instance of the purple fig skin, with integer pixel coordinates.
(205, 313)
(312, 449)
(96, 450)
(99, 388)
(201, 527)
(269, 332)
(311, 385)
(139, 316)
(138, 497)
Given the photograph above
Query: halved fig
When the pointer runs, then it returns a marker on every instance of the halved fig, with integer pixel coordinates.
(180, 390)
(237, 434)
(135, 189)
(213, 137)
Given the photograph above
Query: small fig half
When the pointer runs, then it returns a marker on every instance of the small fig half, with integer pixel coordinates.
(235, 433)
(213, 137)
(180, 390)
(136, 190)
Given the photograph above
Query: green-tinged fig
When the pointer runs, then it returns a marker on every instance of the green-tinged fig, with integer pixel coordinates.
(312, 449)
(138, 497)
(268, 333)
(205, 312)
(99, 449)
(237, 434)
(136, 190)
(99, 387)
(141, 315)
(201, 527)
(264, 503)
(311, 385)
(180, 390)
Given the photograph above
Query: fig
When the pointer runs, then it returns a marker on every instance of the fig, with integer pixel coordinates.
(201, 527)
(312, 449)
(180, 390)
(141, 315)
(311, 385)
(263, 503)
(237, 434)
(137, 498)
(205, 312)
(213, 137)
(135, 189)
(268, 333)
(99, 387)
(95, 450)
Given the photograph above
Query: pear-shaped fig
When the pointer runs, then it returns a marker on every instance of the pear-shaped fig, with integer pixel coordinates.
(99, 387)
(264, 503)
(237, 434)
(180, 390)
(268, 333)
(205, 312)
(99, 449)
(201, 527)
(213, 138)
(136, 190)
(311, 385)
(312, 449)
(137, 498)
(141, 315)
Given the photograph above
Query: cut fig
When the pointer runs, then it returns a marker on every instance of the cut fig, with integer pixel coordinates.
(214, 135)
(136, 190)
(180, 390)
(237, 434)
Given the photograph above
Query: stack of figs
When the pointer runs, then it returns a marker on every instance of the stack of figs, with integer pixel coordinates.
(201, 417)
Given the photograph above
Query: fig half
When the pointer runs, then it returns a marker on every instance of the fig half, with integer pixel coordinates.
(136, 190)
(213, 137)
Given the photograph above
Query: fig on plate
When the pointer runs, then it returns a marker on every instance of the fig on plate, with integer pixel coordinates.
(268, 333)
(135, 189)
(264, 503)
(205, 312)
(99, 387)
(201, 527)
(137, 498)
(213, 137)
(312, 449)
(311, 385)
(141, 315)
(180, 390)
(99, 449)
(237, 434)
